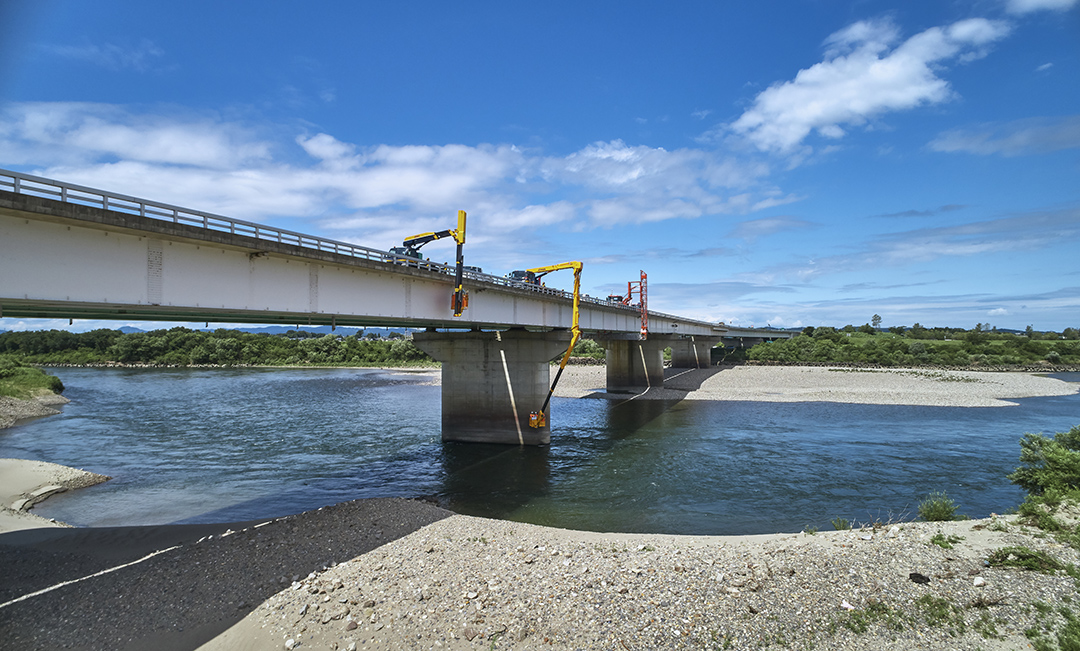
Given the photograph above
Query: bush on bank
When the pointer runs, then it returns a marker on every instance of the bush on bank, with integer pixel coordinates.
(17, 380)
(184, 347)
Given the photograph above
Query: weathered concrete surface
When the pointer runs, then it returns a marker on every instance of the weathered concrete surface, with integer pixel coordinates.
(491, 381)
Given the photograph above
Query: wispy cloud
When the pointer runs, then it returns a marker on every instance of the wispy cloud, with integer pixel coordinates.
(1021, 137)
(1031, 231)
(752, 230)
(143, 57)
(1028, 6)
(924, 213)
(865, 74)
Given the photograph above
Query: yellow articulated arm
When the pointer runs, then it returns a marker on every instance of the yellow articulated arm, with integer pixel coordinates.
(460, 299)
(539, 418)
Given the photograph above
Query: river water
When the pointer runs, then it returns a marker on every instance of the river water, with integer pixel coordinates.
(221, 445)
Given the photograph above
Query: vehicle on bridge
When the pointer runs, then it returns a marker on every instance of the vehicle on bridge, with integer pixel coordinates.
(524, 276)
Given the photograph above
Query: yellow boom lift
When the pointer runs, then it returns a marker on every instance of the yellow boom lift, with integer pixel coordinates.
(411, 248)
(539, 418)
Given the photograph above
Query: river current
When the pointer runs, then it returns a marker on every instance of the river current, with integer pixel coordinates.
(222, 445)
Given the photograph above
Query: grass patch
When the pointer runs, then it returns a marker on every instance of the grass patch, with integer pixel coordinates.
(938, 507)
(945, 542)
(861, 619)
(841, 524)
(941, 612)
(1025, 559)
(18, 380)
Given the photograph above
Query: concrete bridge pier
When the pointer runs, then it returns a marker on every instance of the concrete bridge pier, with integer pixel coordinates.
(692, 351)
(633, 364)
(491, 381)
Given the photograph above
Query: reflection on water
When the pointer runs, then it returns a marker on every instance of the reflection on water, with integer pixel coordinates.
(239, 444)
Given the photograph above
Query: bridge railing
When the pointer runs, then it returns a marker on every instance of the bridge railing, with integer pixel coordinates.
(38, 186)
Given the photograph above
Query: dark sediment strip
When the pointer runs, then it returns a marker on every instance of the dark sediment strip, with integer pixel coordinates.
(179, 599)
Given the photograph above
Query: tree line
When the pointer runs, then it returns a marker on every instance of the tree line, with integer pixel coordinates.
(184, 347)
(920, 346)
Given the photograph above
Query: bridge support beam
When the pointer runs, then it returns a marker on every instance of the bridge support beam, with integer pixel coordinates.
(692, 351)
(491, 381)
(633, 364)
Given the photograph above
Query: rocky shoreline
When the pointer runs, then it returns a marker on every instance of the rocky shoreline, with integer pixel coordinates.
(13, 410)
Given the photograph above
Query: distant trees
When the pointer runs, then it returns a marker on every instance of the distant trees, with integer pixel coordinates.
(184, 347)
(918, 345)
(876, 321)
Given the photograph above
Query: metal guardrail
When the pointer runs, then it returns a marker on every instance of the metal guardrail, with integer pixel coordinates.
(38, 186)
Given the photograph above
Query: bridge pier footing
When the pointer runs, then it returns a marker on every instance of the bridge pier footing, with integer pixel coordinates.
(491, 381)
(692, 351)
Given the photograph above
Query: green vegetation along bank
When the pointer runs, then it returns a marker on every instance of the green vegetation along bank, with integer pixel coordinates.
(919, 346)
(184, 347)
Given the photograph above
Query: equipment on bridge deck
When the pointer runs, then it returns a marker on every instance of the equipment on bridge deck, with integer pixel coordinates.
(411, 248)
(643, 293)
(539, 418)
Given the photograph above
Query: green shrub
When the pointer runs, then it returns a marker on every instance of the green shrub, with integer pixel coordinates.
(937, 507)
(1049, 463)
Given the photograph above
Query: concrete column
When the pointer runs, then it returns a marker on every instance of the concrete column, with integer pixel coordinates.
(491, 381)
(692, 351)
(633, 365)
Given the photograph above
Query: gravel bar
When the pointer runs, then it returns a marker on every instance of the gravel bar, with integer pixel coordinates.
(472, 583)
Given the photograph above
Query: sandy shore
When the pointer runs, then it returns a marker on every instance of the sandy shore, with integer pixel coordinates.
(393, 574)
(827, 384)
(24, 483)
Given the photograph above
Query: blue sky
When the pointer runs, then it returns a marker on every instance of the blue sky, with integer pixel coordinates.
(801, 163)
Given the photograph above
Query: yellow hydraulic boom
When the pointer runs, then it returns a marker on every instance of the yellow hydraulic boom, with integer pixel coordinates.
(539, 418)
(460, 299)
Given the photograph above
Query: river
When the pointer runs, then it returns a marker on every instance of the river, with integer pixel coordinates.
(221, 445)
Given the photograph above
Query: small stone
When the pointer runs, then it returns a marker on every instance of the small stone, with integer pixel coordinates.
(846, 606)
(979, 582)
(290, 643)
(472, 595)
(470, 633)
(867, 536)
(303, 610)
(351, 626)
(351, 647)
(919, 578)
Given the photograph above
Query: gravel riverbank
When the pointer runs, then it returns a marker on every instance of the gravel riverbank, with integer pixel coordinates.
(12, 410)
(944, 388)
(471, 583)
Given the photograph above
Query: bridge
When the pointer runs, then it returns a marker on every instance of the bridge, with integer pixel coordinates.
(68, 251)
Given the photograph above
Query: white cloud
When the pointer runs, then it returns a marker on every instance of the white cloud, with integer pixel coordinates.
(1028, 6)
(75, 133)
(371, 194)
(1029, 136)
(998, 312)
(864, 74)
